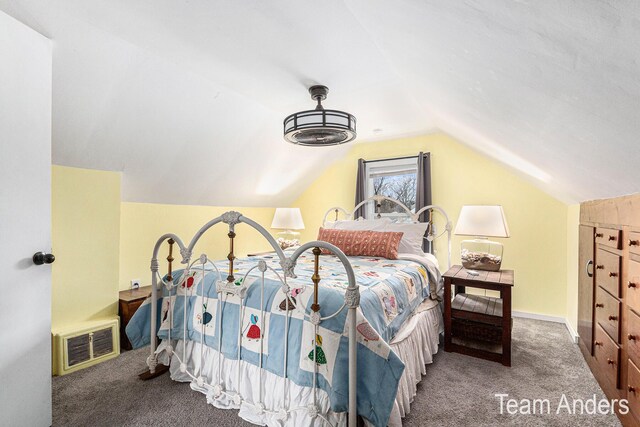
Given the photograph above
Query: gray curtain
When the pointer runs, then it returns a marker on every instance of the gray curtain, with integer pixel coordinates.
(361, 182)
(423, 191)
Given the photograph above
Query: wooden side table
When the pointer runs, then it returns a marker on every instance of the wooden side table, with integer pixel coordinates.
(475, 325)
(127, 305)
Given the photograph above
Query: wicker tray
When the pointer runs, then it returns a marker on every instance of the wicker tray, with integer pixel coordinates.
(469, 329)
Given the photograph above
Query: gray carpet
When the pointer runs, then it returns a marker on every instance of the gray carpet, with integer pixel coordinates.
(457, 390)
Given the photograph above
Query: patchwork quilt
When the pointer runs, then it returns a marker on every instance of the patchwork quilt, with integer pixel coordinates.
(390, 291)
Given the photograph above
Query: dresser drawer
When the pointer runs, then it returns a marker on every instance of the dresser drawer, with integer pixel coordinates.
(608, 237)
(607, 354)
(607, 271)
(633, 285)
(633, 388)
(633, 337)
(634, 242)
(608, 313)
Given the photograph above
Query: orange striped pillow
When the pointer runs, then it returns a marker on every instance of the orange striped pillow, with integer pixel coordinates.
(382, 244)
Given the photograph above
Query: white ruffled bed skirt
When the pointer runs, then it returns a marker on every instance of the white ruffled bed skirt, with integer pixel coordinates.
(415, 344)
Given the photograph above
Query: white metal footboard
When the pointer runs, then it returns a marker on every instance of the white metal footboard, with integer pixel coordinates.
(229, 286)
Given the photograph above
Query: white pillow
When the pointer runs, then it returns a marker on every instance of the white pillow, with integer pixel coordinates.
(363, 224)
(412, 238)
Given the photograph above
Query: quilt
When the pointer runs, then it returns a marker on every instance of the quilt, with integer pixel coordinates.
(390, 291)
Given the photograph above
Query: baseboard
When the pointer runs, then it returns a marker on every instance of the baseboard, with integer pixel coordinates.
(572, 332)
(546, 318)
(537, 316)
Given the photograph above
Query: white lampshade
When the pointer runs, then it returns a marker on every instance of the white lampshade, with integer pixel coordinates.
(288, 219)
(483, 221)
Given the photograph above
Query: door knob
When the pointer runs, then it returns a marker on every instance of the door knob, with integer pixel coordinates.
(40, 258)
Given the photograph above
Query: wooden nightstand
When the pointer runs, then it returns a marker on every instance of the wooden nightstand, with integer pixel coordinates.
(475, 325)
(127, 305)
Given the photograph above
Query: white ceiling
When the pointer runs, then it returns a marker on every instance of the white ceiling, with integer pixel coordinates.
(187, 98)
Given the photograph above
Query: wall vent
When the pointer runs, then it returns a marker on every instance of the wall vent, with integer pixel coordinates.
(85, 346)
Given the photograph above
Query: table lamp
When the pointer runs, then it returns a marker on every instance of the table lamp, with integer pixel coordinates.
(288, 220)
(481, 221)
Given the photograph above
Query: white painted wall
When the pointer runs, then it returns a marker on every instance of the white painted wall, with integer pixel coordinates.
(187, 98)
(25, 225)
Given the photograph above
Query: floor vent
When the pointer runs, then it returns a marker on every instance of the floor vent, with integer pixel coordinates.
(84, 346)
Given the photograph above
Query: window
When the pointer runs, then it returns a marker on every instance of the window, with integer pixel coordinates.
(395, 178)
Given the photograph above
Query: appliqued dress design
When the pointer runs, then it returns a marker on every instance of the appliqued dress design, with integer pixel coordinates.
(205, 317)
(321, 358)
(290, 303)
(188, 282)
(367, 331)
(254, 330)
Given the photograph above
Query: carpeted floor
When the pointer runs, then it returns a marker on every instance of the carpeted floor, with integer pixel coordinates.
(457, 390)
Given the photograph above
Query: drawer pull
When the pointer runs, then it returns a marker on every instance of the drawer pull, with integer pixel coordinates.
(631, 285)
(600, 267)
(634, 242)
(613, 274)
(599, 305)
(611, 238)
(611, 362)
(599, 235)
(631, 337)
(631, 389)
(614, 318)
(597, 343)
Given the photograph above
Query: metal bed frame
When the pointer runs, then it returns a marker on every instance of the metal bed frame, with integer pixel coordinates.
(227, 286)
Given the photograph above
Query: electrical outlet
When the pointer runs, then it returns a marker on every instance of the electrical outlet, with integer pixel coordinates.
(135, 283)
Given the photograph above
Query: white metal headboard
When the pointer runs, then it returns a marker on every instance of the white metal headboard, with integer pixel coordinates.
(414, 217)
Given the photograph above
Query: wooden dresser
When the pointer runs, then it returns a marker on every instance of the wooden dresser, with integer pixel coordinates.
(609, 297)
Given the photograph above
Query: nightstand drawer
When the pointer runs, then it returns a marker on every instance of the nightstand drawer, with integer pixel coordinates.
(607, 271)
(129, 309)
(608, 313)
(607, 354)
(608, 237)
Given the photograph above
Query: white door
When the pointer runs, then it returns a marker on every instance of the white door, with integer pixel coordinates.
(25, 225)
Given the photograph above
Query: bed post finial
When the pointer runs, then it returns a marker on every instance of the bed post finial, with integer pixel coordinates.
(316, 278)
(170, 259)
(231, 256)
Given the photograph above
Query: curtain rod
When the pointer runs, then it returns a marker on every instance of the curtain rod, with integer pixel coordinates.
(395, 158)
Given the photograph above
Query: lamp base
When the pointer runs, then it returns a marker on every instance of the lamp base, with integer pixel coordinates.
(288, 239)
(481, 254)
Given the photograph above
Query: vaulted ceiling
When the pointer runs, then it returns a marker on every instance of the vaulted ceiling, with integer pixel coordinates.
(187, 98)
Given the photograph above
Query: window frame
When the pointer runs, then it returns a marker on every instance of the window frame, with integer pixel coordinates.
(388, 167)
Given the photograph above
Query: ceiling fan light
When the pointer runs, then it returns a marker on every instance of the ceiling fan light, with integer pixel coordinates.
(319, 127)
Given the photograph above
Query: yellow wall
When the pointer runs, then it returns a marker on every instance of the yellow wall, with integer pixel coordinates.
(537, 250)
(86, 243)
(143, 223)
(573, 225)
(101, 243)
